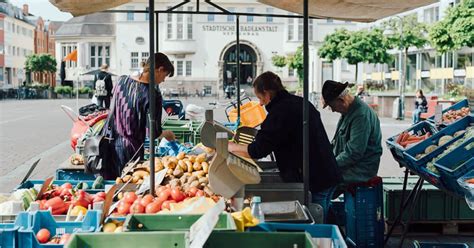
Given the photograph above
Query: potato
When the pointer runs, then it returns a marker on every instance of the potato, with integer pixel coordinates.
(175, 183)
(192, 158)
(205, 167)
(127, 178)
(192, 179)
(430, 148)
(203, 180)
(445, 139)
(189, 167)
(118, 180)
(159, 168)
(140, 174)
(173, 160)
(171, 164)
(135, 179)
(170, 171)
(187, 174)
(178, 172)
(199, 174)
(197, 166)
(181, 155)
(201, 158)
(194, 184)
(182, 165)
(183, 180)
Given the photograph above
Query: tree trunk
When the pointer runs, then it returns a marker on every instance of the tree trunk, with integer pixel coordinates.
(356, 73)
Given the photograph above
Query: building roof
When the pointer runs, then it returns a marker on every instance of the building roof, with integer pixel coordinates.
(93, 25)
(15, 12)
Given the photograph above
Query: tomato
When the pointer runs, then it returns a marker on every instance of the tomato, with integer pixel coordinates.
(130, 197)
(147, 199)
(177, 195)
(165, 194)
(200, 193)
(123, 208)
(43, 235)
(192, 192)
(160, 189)
(137, 208)
(166, 204)
(153, 207)
(66, 186)
(64, 238)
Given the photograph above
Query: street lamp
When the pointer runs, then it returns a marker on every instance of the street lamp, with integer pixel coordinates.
(401, 79)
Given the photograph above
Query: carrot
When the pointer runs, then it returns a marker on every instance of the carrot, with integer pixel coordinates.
(399, 138)
(406, 143)
(415, 138)
(470, 180)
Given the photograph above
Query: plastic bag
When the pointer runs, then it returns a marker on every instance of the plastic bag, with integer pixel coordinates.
(94, 100)
(172, 148)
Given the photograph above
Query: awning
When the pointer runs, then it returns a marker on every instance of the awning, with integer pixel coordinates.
(349, 10)
(82, 7)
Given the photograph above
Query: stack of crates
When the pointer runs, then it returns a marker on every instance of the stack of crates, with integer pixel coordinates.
(183, 129)
(196, 128)
(364, 215)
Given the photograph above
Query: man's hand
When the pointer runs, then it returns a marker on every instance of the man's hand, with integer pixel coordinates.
(237, 149)
(168, 135)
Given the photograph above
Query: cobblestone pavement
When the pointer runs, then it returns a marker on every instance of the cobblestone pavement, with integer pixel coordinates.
(33, 129)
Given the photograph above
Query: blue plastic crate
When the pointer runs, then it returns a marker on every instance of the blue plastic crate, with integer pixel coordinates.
(364, 216)
(73, 174)
(31, 183)
(44, 219)
(455, 164)
(456, 106)
(315, 230)
(415, 164)
(9, 232)
(417, 244)
(397, 150)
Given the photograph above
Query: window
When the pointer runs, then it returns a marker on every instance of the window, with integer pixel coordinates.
(134, 60)
(9, 51)
(190, 24)
(14, 51)
(300, 29)
(210, 17)
(169, 30)
(291, 29)
(310, 29)
(344, 65)
(180, 68)
(250, 18)
(269, 11)
(145, 56)
(13, 27)
(179, 25)
(291, 72)
(23, 31)
(329, 20)
(130, 15)
(188, 68)
(25, 53)
(99, 54)
(431, 15)
(231, 18)
(147, 15)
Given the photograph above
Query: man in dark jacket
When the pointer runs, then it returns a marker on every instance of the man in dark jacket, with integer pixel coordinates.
(282, 133)
(103, 86)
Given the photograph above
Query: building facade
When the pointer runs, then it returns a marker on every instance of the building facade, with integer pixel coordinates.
(202, 47)
(426, 69)
(17, 43)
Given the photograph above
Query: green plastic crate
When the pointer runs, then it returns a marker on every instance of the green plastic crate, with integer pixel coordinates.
(173, 222)
(259, 240)
(130, 239)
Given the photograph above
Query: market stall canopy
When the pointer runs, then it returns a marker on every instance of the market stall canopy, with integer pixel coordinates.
(81, 7)
(349, 10)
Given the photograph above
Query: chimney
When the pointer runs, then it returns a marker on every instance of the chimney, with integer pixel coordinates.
(25, 9)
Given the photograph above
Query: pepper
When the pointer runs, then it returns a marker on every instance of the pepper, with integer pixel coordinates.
(82, 199)
(57, 205)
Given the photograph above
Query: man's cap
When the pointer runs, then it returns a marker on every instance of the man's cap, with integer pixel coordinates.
(332, 90)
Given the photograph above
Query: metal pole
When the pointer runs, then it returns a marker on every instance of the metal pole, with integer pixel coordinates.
(237, 32)
(305, 103)
(401, 85)
(157, 32)
(151, 10)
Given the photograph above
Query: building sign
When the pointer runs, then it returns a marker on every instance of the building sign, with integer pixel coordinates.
(229, 29)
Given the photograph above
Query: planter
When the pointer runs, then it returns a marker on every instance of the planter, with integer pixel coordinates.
(84, 96)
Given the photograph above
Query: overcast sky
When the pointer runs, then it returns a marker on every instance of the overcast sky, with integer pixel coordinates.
(44, 9)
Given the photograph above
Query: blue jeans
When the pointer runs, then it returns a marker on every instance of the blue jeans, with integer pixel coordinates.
(416, 115)
(323, 198)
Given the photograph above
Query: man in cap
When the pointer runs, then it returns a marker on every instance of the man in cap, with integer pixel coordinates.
(357, 142)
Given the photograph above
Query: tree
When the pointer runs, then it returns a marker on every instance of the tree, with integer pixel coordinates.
(279, 61)
(295, 61)
(413, 33)
(456, 29)
(358, 46)
(40, 63)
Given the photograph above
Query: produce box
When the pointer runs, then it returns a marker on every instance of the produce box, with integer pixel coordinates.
(417, 244)
(173, 222)
(259, 240)
(397, 150)
(455, 164)
(455, 107)
(434, 145)
(129, 239)
(89, 188)
(9, 231)
(27, 237)
(73, 174)
(466, 182)
(315, 230)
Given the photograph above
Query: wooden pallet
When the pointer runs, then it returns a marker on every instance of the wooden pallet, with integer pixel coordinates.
(454, 227)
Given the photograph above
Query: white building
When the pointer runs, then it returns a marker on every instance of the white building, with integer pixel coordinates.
(202, 47)
(16, 43)
(427, 69)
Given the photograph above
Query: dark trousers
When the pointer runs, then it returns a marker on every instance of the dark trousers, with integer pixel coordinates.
(104, 100)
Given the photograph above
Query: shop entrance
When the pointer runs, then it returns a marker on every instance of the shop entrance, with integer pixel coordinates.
(248, 68)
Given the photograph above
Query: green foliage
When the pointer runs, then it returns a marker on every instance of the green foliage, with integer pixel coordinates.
(366, 46)
(413, 33)
(295, 61)
(39, 86)
(455, 90)
(456, 29)
(334, 44)
(64, 90)
(279, 61)
(40, 63)
(83, 90)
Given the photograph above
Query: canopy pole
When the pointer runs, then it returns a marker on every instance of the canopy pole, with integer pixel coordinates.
(157, 32)
(237, 32)
(305, 104)
(152, 109)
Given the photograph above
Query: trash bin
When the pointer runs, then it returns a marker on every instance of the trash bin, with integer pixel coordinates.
(395, 107)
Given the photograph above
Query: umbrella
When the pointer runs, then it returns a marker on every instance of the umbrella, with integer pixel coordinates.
(353, 10)
(72, 56)
(79, 7)
(94, 72)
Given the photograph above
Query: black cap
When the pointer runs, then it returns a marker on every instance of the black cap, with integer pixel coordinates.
(332, 90)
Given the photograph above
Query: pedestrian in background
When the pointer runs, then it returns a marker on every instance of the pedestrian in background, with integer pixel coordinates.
(421, 106)
(103, 87)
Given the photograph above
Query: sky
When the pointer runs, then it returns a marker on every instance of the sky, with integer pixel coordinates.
(44, 9)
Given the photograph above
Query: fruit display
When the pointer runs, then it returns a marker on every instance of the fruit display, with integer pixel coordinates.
(113, 226)
(405, 139)
(77, 159)
(454, 115)
(44, 237)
